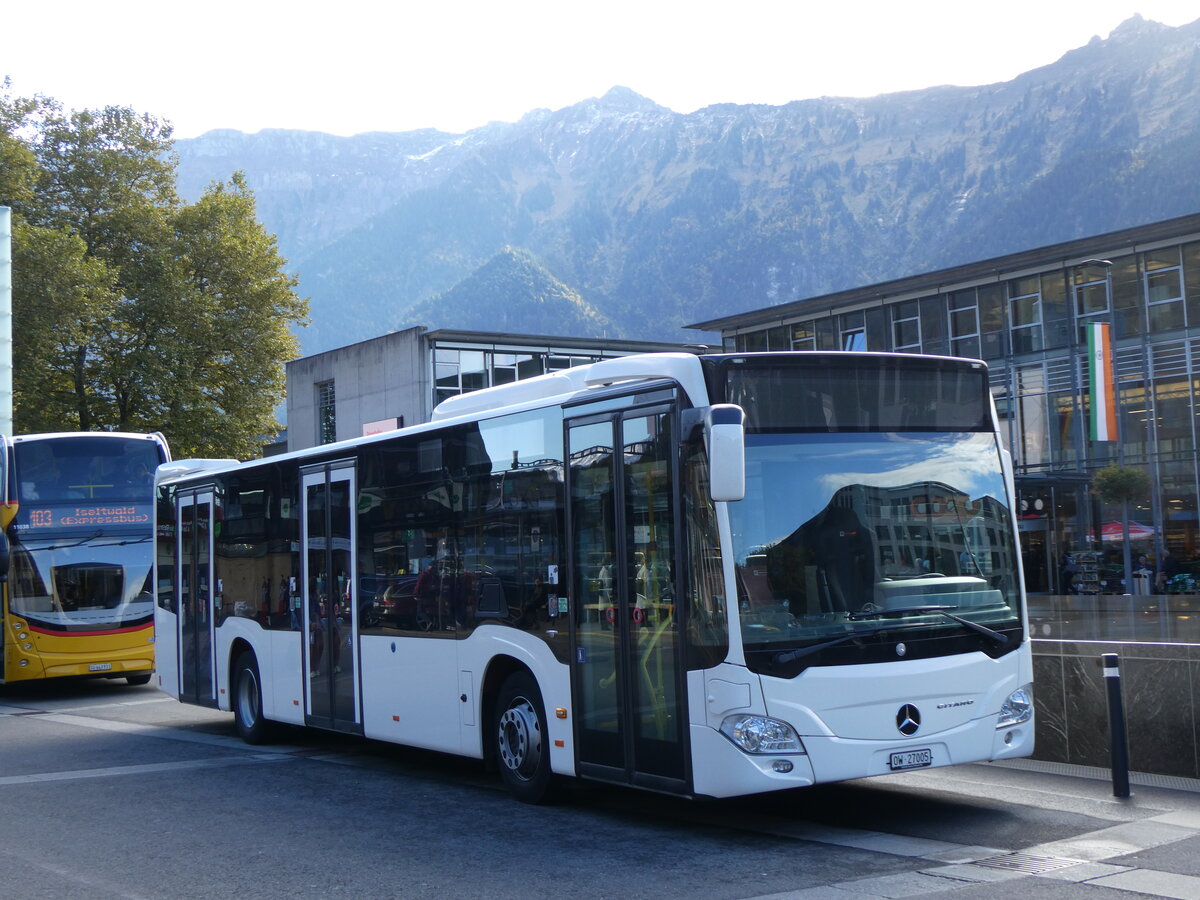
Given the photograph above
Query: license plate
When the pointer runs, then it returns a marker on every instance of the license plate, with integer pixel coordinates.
(910, 759)
(100, 667)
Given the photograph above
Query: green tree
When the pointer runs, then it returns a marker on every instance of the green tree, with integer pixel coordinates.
(133, 310)
(63, 300)
(229, 351)
(1123, 485)
(18, 166)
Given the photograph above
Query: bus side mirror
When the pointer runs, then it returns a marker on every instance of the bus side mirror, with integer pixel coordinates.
(725, 430)
(4, 554)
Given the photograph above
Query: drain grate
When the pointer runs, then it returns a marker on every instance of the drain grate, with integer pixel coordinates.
(1023, 862)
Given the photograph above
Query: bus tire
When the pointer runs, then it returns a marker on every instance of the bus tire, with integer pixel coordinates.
(248, 718)
(522, 746)
(137, 679)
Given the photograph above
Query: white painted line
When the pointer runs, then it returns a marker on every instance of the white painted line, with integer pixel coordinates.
(122, 703)
(170, 734)
(145, 769)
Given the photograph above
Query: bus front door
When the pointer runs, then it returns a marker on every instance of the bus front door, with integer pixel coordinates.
(331, 597)
(194, 576)
(629, 696)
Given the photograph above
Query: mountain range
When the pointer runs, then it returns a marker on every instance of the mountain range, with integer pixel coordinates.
(617, 217)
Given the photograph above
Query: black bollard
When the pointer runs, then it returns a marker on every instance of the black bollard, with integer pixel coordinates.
(1118, 741)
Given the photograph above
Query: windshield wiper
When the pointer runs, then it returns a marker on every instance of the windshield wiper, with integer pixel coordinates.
(800, 652)
(940, 610)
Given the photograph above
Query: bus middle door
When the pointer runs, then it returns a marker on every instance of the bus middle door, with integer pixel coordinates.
(629, 699)
(330, 598)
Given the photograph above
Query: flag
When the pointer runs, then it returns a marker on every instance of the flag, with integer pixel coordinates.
(1103, 385)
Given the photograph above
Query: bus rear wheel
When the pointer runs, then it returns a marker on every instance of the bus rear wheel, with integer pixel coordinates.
(252, 727)
(138, 679)
(522, 747)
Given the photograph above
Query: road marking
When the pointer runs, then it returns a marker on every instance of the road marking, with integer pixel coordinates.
(88, 882)
(166, 733)
(121, 703)
(144, 769)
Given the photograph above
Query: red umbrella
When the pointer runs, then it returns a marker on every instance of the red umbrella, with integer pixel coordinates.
(1111, 532)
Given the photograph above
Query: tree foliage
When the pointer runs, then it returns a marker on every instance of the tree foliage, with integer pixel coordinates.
(1122, 484)
(132, 309)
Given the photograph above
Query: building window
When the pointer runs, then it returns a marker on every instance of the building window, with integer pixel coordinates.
(1090, 286)
(906, 327)
(964, 324)
(752, 342)
(804, 336)
(779, 338)
(1164, 289)
(445, 369)
(326, 413)
(934, 337)
(1025, 313)
(1032, 426)
(993, 336)
(557, 362)
(510, 367)
(1091, 290)
(1191, 280)
(853, 331)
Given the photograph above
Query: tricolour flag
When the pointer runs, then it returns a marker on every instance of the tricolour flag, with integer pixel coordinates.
(1102, 383)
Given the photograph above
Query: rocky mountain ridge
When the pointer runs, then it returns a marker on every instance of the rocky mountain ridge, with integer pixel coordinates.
(657, 219)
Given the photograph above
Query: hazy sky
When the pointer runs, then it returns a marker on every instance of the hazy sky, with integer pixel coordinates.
(352, 66)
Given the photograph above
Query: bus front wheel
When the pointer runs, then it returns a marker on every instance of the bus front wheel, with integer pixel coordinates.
(521, 743)
(247, 702)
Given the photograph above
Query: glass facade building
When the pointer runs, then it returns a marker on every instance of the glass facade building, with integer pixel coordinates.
(1026, 314)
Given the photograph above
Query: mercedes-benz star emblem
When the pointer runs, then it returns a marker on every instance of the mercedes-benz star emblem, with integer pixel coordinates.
(908, 720)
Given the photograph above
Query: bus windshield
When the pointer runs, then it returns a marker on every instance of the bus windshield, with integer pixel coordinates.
(80, 585)
(883, 532)
(876, 524)
(95, 484)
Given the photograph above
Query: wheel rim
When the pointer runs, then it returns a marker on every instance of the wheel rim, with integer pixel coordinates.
(520, 739)
(248, 698)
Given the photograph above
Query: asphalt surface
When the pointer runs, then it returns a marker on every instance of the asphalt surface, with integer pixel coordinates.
(108, 791)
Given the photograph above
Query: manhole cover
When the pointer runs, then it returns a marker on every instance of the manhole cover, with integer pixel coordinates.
(1023, 862)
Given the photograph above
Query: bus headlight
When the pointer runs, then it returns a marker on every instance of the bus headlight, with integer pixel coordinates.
(1017, 708)
(761, 734)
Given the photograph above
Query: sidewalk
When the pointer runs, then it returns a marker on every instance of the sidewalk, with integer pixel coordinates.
(1148, 845)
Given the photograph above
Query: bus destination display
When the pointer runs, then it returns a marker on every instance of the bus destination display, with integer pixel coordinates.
(89, 516)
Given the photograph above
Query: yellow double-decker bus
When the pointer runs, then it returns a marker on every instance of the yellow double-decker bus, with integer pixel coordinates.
(78, 599)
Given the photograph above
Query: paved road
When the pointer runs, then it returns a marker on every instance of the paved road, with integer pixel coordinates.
(108, 791)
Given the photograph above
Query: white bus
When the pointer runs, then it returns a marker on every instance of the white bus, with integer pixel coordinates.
(704, 575)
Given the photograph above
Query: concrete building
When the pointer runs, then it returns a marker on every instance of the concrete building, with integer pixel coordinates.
(1027, 314)
(397, 379)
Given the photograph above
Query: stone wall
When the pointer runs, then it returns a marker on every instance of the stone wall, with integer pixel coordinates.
(1162, 705)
